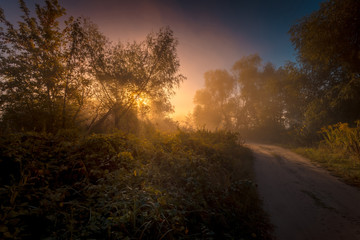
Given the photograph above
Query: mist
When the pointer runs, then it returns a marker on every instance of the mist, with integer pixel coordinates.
(164, 119)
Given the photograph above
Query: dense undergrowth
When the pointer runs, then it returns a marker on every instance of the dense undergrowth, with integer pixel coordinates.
(338, 152)
(186, 185)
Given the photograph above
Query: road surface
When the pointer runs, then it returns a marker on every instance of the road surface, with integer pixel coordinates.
(302, 200)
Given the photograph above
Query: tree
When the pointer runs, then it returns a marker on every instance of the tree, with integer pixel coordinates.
(70, 75)
(250, 101)
(128, 74)
(30, 65)
(261, 94)
(330, 36)
(328, 46)
(214, 103)
(43, 74)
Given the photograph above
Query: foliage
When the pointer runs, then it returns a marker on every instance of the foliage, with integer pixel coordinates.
(60, 78)
(31, 67)
(328, 49)
(330, 35)
(342, 138)
(320, 89)
(338, 151)
(187, 185)
(336, 163)
(215, 103)
(251, 100)
(133, 73)
(61, 75)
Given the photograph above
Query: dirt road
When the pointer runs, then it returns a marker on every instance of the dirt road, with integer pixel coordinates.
(304, 201)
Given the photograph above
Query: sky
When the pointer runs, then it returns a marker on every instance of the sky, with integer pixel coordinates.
(212, 34)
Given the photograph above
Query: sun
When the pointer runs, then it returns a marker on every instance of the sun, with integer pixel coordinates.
(142, 101)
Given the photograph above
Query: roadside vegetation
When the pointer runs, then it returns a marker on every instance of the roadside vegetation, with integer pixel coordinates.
(339, 151)
(184, 185)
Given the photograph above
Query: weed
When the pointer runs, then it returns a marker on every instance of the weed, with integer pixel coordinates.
(341, 137)
(187, 185)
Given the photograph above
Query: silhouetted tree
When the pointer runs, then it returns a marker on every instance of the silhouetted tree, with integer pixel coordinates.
(251, 100)
(261, 94)
(44, 76)
(140, 70)
(328, 46)
(68, 74)
(214, 103)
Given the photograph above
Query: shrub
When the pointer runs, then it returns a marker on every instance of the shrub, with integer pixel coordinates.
(118, 186)
(341, 137)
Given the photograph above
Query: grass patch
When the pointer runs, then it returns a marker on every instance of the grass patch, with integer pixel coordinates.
(339, 164)
(187, 185)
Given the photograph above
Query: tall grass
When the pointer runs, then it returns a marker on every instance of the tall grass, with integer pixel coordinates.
(338, 151)
(342, 138)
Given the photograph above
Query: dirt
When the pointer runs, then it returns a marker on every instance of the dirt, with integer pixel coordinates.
(304, 201)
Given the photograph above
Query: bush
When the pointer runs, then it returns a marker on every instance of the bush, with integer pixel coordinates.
(341, 137)
(188, 185)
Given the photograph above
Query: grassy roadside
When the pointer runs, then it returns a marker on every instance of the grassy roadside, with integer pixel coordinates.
(187, 185)
(338, 164)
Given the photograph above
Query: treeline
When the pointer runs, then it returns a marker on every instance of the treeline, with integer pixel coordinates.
(59, 72)
(296, 100)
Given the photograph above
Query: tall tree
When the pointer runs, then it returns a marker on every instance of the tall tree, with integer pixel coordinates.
(214, 103)
(328, 45)
(252, 99)
(330, 36)
(260, 93)
(140, 70)
(44, 78)
(30, 66)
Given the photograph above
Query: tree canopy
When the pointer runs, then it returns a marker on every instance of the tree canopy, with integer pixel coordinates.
(321, 88)
(328, 46)
(214, 102)
(247, 99)
(61, 74)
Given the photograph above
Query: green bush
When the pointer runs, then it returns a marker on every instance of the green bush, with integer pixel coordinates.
(187, 185)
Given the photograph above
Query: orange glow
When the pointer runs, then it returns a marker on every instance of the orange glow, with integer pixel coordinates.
(203, 46)
(142, 101)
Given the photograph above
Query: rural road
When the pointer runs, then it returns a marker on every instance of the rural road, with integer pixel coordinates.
(304, 201)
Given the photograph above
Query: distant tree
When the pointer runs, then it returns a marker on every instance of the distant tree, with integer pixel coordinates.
(250, 101)
(328, 46)
(214, 103)
(261, 94)
(295, 95)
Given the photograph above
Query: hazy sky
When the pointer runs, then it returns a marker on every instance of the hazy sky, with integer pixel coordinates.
(212, 34)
